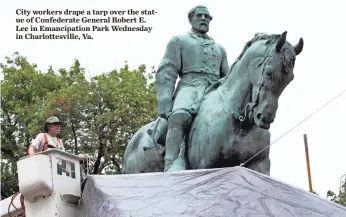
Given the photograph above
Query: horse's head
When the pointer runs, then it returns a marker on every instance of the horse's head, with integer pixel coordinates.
(270, 69)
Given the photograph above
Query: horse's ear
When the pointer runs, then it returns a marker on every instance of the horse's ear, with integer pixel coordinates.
(299, 47)
(281, 41)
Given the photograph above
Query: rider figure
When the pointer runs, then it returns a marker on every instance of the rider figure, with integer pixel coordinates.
(199, 62)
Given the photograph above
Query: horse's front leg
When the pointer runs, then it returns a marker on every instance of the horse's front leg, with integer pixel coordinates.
(261, 167)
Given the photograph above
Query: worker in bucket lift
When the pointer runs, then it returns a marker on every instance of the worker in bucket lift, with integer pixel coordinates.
(48, 140)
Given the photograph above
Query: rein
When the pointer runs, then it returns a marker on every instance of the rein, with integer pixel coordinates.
(250, 105)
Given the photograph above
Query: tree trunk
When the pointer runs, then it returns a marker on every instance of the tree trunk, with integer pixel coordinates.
(75, 139)
(102, 148)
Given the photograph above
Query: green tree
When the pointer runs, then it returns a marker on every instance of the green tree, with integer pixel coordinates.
(100, 114)
(71, 103)
(23, 88)
(125, 100)
(340, 197)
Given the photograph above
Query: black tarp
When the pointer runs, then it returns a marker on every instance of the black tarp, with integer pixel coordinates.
(232, 192)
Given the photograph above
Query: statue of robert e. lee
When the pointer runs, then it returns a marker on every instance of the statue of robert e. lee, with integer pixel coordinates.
(199, 62)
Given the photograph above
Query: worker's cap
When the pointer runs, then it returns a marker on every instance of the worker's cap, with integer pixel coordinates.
(53, 120)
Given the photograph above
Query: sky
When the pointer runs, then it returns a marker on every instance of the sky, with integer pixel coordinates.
(319, 71)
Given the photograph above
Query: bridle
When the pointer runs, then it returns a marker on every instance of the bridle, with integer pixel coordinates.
(248, 111)
(251, 105)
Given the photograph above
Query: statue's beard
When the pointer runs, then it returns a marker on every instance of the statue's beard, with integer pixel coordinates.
(202, 28)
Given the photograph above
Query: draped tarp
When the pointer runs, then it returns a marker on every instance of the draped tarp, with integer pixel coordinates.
(232, 192)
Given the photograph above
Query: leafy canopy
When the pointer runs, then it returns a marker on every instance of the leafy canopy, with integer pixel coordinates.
(99, 114)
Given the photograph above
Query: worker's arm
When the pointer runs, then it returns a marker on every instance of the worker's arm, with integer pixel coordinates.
(32, 150)
(36, 144)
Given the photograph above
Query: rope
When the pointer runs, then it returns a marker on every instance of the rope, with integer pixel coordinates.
(242, 164)
(22, 209)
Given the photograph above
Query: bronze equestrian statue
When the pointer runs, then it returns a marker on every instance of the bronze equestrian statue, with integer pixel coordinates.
(216, 117)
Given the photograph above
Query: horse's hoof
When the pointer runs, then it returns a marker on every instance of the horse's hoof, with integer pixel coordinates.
(177, 165)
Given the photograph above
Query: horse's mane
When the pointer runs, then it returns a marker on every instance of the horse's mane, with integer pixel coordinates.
(271, 39)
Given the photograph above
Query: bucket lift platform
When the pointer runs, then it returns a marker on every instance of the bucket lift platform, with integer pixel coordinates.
(49, 182)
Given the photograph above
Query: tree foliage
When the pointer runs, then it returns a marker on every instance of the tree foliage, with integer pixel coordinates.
(99, 114)
(339, 197)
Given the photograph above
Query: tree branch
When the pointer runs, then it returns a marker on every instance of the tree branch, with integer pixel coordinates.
(102, 147)
(75, 138)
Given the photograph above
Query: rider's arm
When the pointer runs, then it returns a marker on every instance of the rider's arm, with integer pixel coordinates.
(224, 68)
(166, 76)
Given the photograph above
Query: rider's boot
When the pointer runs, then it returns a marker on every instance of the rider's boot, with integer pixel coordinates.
(173, 143)
(178, 124)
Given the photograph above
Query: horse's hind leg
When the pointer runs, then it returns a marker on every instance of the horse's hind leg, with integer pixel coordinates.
(261, 167)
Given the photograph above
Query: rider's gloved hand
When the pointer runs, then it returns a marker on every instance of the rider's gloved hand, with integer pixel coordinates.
(165, 108)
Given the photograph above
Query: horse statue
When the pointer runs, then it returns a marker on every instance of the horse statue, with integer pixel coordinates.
(232, 125)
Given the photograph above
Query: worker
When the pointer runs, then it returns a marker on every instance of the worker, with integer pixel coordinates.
(48, 139)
